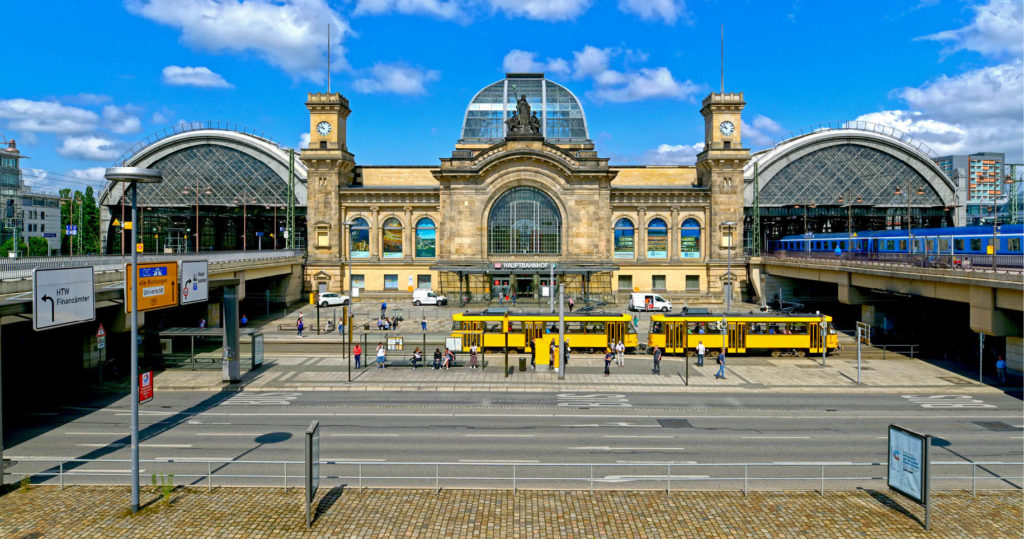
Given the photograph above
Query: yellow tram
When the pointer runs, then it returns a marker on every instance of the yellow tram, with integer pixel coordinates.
(594, 331)
(761, 332)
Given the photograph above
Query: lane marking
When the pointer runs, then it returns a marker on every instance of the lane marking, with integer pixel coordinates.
(627, 478)
(91, 470)
(652, 462)
(570, 416)
(499, 435)
(352, 460)
(638, 436)
(776, 437)
(120, 444)
(231, 433)
(488, 461)
(366, 434)
(96, 433)
(608, 448)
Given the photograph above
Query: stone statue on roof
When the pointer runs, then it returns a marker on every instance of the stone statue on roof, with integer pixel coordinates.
(523, 122)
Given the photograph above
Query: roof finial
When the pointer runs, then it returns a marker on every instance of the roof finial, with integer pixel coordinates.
(723, 59)
(328, 57)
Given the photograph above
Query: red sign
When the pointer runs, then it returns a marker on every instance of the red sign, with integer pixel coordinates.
(145, 387)
(100, 332)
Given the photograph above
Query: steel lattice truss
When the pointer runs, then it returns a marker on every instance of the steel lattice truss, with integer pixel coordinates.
(224, 176)
(849, 171)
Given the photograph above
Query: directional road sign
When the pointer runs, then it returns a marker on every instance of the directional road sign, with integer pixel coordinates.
(62, 297)
(158, 285)
(194, 281)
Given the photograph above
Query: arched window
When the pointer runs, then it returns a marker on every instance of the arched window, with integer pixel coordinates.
(689, 239)
(391, 242)
(426, 239)
(359, 239)
(657, 238)
(624, 238)
(524, 220)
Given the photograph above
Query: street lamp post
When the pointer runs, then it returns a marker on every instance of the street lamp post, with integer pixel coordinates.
(728, 228)
(347, 310)
(910, 235)
(849, 218)
(134, 175)
(206, 192)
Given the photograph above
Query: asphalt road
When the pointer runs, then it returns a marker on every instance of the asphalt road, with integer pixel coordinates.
(381, 429)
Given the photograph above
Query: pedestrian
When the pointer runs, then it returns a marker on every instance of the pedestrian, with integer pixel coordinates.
(501, 298)
(202, 323)
(551, 355)
(449, 357)
(657, 360)
(423, 323)
(382, 355)
(472, 357)
(1001, 370)
(533, 358)
(417, 356)
(394, 323)
(380, 324)
(636, 322)
(383, 308)
(513, 298)
(701, 350)
(721, 365)
(566, 351)
(299, 325)
(571, 304)
(329, 326)
(358, 352)
(244, 321)
(620, 354)
(607, 360)
(437, 358)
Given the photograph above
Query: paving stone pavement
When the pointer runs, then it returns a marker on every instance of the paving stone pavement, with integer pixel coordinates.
(258, 512)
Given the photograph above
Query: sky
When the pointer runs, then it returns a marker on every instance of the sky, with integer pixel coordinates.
(84, 81)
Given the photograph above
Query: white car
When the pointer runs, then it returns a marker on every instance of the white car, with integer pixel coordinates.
(326, 299)
(426, 296)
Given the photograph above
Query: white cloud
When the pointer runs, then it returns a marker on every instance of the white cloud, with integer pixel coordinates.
(88, 99)
(989, 92)
(590, 62)
(89, 147)
(47, 116)
(194, 76)
(673, 154)
(303, 141)
(396, 78)
(541, 10)
(647, 83)
(762, 131)
(37, 178)
(450, 10)
(519, 61)
(91, 173)
(120, 120)
(288, 34)
(995, 30)
(668, 11)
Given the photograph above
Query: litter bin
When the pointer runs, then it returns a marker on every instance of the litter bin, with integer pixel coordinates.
(522, 364)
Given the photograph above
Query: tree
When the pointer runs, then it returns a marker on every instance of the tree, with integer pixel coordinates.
(8, 246)
(38, 247)
(86, 217)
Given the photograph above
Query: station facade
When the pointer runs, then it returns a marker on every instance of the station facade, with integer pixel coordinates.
(524, 188)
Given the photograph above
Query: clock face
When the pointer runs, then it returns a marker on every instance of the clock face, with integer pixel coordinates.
(323, 128)
(726, 127)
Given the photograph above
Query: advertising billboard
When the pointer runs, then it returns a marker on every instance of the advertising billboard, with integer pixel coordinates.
(908, 463)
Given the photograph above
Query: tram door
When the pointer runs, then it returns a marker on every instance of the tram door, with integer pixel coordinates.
(472, 335)
(737, 337)
(815, 330)
(675, 337)
(616, 331)
(534, 330)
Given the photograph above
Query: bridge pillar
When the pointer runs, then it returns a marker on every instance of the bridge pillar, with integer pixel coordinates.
(850, 294)
(987, 317)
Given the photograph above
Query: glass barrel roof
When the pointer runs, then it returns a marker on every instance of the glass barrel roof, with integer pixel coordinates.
(562, 117)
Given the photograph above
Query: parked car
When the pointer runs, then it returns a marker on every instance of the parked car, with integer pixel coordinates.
(426, 296)
(326, 299)
(646, 301)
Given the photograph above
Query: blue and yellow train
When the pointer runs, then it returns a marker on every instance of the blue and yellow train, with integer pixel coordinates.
(963, 240)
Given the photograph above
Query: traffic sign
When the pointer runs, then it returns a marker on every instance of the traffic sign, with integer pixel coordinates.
(194, 281)
(158, 286)
(101, 338)
(71, 230)
(259, 234)
(145, 387)
(62, 297)
(49, 234)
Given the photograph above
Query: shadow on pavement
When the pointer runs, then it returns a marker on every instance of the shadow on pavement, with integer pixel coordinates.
(886, 500)
(327, 501)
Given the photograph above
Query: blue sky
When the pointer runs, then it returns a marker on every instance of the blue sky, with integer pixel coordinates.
(88, 79)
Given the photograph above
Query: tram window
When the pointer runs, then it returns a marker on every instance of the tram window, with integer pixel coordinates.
(456, 325)
(930, 245)
(797, 329)
(595, 327)
(903, 245)
(515, 326)
(975, 244)
(1013, 244)
(890, 245)
(958, 244)
(656, 327)
(943, 245)
(493, 327)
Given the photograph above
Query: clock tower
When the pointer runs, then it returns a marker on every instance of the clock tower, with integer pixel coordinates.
(720, 168)
(329, 168)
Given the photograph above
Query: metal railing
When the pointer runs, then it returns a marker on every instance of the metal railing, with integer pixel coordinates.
(742, 476)
(21, 268)
(960, 262)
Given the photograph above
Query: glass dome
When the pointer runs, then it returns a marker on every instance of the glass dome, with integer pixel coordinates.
(562, 118)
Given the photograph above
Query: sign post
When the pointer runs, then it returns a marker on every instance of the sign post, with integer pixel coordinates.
(981, 355)
(312, 467)
(61, 297)
(909, 467)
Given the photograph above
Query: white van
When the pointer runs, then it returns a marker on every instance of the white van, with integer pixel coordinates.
(426, 296)
(646, 301)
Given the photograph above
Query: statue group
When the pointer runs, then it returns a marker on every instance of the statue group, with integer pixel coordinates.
(523, 121)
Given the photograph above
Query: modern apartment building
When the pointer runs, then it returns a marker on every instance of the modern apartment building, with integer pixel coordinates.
(984, 186)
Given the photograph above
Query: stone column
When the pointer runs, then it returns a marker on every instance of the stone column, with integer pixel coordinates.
(375, 237)
(673, 235)
(408, 247)
(641, 234)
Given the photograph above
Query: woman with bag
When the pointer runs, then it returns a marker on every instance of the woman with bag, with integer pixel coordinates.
(472, 357)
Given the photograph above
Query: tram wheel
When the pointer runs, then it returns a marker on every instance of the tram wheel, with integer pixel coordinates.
(776, 353)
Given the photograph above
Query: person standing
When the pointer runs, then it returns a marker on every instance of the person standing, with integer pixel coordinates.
(513, 298)
(551, 354)
(721, 365)
(620, 354)
(358, 352)
(383, 308)
(608, 355)
(382, 355)
(701, 350)
(566, 350)
(299, 325)
(423, 323)
(657, 360)
(1001, 370)
(472, 357)
(244, 320)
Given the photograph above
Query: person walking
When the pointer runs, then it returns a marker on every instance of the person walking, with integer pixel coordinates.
(299, 325)
(572, 304)
(437, 358)
(382, 355)
(358, 352)
(1001, 370)
(721, 365)
(423, 323)
(657, 360)
(566, 350)
(513, 298)
(472, 357)
(244, 321)
(701, 350)
(620, 354)
(383, 308)
(608, 355)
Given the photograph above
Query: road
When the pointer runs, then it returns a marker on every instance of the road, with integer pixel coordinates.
(530, 428)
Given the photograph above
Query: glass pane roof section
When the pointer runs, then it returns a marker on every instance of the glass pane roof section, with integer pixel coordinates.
(562, 117)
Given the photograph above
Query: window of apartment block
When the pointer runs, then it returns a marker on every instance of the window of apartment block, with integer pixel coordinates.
(658, 282)
(391, 281)
(693, 282)
(626, 283)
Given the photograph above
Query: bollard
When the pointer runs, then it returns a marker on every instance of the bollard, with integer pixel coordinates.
(437, 477)
(61, 473)
(591, 479)
(822, 480)
(360, 477)
(286, 477)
